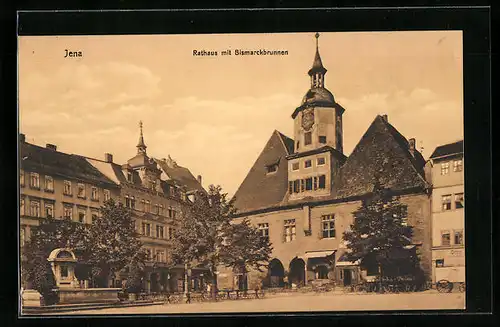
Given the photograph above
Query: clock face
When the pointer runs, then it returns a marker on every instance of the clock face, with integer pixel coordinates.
(308, 118)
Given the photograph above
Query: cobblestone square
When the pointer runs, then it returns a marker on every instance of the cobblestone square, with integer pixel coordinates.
(429, 300)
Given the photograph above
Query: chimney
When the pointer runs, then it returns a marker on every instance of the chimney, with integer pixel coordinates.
(385, 118)
(199, 179)
(108, 157)
(51, 146)
(411, 143)
(22, 138)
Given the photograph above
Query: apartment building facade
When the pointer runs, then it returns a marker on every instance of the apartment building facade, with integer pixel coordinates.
(157, 191)
(448, 214)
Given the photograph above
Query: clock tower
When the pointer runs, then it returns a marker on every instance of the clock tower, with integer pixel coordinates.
(318, 145)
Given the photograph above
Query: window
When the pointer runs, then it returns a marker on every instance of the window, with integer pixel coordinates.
(445, 238)
(322, 139)
(272, 168)
(21, 177)
(328, 226)
(321, 272)
(315, 183)
(49, 183)
(148, 206)
(290, 187)
(320, 161)
(81, 216)
(296, 186)
(157, 209)
(21, 207)
(162, 210)
(170, 212)
(49, 210)
(458, 237)
(68, 212)
(439, 262)
(264, 230)
(174, 213)
(146, 229)
(143, 205)
(160, 255)
(159, 231)
(302, 186)
(445, 168)
(34, 180)
(295, 166)
(129, 201)
(94, 217)
(322, 182)
(81, 190)
(94, 193)
(289, 232)
(309, 184)
(148, 254)
(171, 233)
(459, 201)
(64, 271)
(107, 195)
(67, 188)
(457, 165)
(22, 236)
(307, 138)
(446, 202)
(307, 164)
(34, 208)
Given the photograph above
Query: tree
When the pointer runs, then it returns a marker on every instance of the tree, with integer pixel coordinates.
(379, 233)
(103, 248)
(111, 242)
(136, 273)
(244, 247)
(48, 235)
(42, 277)
(200, 234)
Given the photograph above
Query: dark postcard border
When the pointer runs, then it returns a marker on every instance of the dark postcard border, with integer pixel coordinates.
(475, 24)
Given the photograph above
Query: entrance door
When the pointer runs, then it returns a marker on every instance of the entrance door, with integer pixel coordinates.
(347, 277)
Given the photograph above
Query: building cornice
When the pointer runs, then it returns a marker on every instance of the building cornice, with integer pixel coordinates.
(321, 202)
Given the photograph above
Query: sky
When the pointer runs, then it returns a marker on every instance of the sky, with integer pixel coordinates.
(214, 115)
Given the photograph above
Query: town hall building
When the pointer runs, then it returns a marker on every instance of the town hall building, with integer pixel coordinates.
(302, 191)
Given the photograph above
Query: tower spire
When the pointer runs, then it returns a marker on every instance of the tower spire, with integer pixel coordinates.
(141, 146)
(317, 71)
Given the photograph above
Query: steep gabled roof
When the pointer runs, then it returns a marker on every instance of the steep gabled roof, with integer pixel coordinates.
(111, 170)
(181, 175)
(448, 149)
(383, 152)
(260, 189)
(56, 163)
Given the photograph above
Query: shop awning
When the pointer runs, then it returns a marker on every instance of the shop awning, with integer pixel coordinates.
(342, 261)
(318, 254)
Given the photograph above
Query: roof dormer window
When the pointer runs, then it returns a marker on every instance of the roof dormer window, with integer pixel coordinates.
(272, 168)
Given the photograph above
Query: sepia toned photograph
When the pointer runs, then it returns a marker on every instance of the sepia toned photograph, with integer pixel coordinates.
(241, 173)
